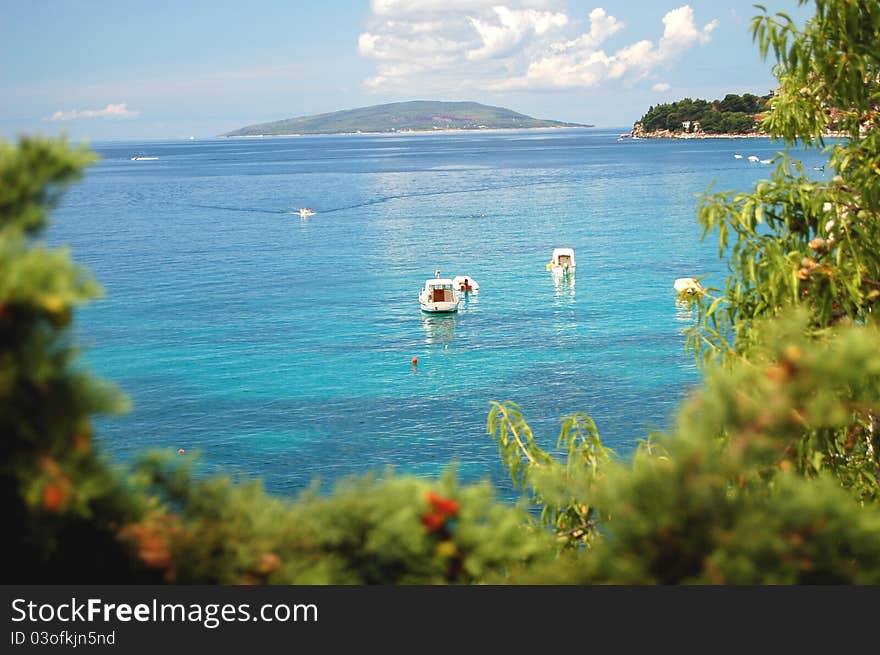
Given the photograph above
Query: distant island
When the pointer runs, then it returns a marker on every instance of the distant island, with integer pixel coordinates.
(414, 116)
(734, 116)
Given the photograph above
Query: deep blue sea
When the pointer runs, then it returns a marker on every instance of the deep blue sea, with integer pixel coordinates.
(281, 347)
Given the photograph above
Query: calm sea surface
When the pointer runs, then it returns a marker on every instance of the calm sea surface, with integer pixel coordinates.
(280, 347)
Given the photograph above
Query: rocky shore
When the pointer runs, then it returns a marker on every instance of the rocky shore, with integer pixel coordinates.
(638, 132)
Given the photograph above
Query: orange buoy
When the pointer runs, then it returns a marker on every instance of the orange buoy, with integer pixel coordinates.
(181, 451)
(415, 361)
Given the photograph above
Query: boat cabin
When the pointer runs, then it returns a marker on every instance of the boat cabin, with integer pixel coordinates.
(563, 258)
(439, 290)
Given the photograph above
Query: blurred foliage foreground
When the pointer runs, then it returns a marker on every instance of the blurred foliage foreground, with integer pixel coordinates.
(769, 475)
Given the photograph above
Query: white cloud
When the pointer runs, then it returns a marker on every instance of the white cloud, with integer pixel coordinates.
(110, 111)
(513, 27)
(661, 87)
(521, 44)
(680, 32)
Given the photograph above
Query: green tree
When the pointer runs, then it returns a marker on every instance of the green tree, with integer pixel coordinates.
(737, 511)
(799, 242)
(56, 488)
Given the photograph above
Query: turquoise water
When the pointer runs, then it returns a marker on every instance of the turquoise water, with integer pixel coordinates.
(280, 347)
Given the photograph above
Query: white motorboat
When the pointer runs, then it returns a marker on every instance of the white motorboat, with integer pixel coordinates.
(465, 284)
(687, 286)
(753, 158)
(305, 212)
(737, 156)
(143, 158)
(439, 295)
(562, 262)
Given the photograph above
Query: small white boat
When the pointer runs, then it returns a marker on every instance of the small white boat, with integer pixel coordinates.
(143, 158)
(753, 158)
(737, 156)
(766, 161)
(305, 212)
(562, 261)
(439, 296)
(465, 284)
(687, 286)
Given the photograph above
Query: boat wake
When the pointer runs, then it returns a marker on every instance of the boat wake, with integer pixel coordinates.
(428, 194)
(246, 210)
(375, 201)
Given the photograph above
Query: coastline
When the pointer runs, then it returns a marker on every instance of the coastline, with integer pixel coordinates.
(666, 134)
(488, 130)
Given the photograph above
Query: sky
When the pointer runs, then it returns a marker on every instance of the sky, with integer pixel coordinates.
(165, 69)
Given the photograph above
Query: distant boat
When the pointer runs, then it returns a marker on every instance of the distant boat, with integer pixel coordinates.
(737, 156)
(753, 158)
(562, 261)
(687, 286)
(439, 296)
(766, 161)
(142, 158)
(305, 212)
(818, 168)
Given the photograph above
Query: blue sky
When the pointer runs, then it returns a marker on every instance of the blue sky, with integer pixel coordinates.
(124, 69)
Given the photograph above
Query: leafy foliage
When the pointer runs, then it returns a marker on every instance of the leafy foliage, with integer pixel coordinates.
(559, 489)
(56, 487)
(798, 242)
(737, 511)
(396, 530)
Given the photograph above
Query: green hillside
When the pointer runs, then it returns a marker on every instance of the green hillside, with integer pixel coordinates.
(735, 114)
(417, 115)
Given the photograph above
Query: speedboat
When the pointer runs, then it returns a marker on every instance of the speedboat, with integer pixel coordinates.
(305, 212)
(562, 261)
(439, 295)
(143, 158)
(753, 158)
(737, 156)
(465, 284)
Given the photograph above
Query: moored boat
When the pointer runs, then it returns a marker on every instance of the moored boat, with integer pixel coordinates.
(562, 261)
(687, 286)
(465, 284)
(439, 295)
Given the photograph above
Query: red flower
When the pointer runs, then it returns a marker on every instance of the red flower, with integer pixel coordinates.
(433, 522)
(53, 497)
(444, 506)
